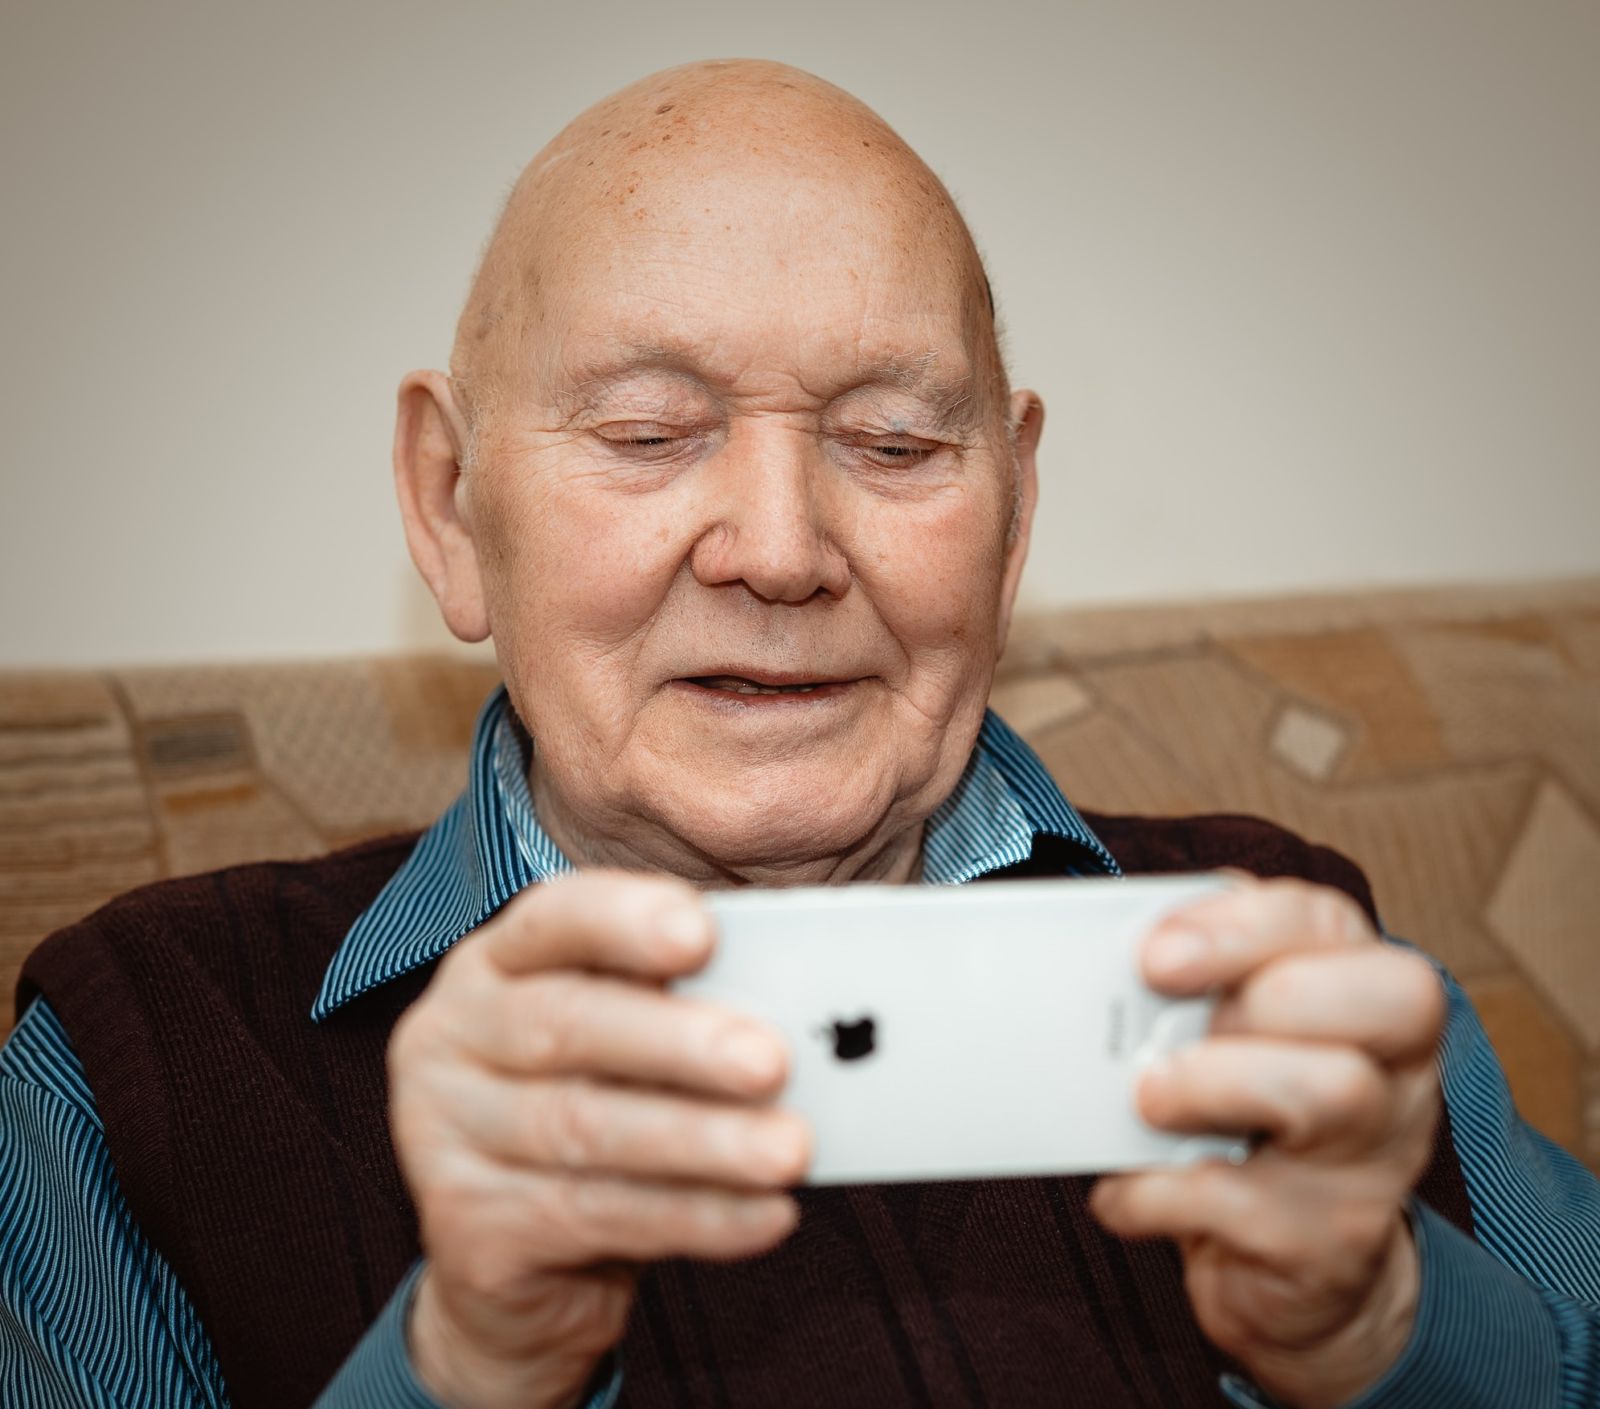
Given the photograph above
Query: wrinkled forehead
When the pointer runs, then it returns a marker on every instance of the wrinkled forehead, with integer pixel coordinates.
(764, 232)
(751, 282)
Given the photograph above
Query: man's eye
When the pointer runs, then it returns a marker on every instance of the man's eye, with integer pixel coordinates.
(898, 453)
(648, 441)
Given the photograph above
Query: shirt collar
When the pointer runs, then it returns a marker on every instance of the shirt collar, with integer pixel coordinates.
(489, 845)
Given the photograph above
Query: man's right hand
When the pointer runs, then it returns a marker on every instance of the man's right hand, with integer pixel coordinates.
(561, 1120)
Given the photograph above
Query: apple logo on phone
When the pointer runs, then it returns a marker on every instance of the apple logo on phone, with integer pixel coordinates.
(851, 1040)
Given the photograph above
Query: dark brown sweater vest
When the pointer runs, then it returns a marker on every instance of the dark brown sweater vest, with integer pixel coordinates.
(253, 1148)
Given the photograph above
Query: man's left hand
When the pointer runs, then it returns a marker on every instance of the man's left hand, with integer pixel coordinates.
(1299, 1262)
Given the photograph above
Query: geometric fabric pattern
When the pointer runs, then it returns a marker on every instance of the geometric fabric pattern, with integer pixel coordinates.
(1447, 740)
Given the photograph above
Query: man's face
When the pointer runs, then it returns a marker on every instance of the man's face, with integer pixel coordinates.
(742, 521)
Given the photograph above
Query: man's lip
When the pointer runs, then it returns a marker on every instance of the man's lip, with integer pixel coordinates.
(768, 677)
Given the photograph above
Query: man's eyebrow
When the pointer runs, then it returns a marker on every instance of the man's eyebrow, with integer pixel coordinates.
(587, 381)
(949, 393)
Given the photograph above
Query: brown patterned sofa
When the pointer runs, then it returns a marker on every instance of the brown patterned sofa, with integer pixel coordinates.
(1448, 740)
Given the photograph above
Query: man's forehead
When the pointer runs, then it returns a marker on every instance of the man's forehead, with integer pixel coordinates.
(809, 242)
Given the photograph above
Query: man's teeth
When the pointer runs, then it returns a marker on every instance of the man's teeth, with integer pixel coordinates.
(749, 687)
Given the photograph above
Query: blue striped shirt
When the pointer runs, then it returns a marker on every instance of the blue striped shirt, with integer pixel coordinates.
(91, 1314)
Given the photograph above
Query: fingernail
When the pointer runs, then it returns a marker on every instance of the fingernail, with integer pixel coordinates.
(761, 1211)
(750, 1053)
(683, 926)
(1157, 1073)
(1153, 1084)
(776, 1146)
(1103, 1196)
(1175, 950)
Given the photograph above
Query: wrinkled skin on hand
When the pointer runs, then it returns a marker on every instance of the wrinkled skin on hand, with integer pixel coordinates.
(1299, 1262)
(562, 1120)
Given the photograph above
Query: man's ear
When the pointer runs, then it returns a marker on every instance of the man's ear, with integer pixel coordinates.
(430, 443)
(1026, 424)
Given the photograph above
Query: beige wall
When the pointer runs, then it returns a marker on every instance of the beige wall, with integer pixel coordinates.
(1311, 289)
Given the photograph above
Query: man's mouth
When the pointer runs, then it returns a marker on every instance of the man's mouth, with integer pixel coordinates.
(742, 685)
(749, 686)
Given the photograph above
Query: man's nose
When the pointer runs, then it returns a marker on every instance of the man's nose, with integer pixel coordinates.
(770, 524)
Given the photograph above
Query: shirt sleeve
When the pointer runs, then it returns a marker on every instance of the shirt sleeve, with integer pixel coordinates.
(1514, 1317)
(89, 1313)
(378, 1374)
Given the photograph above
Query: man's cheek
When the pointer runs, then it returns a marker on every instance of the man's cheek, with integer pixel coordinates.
(587, 601)
(937, 583)
(583, 568)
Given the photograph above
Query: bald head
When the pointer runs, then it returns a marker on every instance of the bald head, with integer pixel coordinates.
(726, 415)
(704, 154)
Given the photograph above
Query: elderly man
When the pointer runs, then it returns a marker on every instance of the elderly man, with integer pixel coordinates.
(728, 468)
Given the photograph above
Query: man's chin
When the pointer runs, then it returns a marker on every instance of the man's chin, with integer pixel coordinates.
(784, 830)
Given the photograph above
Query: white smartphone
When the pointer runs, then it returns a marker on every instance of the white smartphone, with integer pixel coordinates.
(959, 1032)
